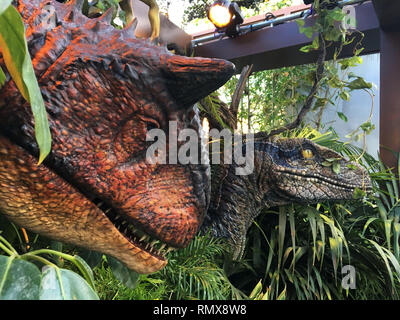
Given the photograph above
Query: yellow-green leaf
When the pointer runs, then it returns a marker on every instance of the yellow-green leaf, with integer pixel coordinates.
(18, 62)
(256, 291)
(326, 164)
(336, 167)
(13, 46)
(2, 78)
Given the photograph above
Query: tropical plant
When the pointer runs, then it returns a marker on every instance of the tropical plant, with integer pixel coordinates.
(21, 278)
(194, 272)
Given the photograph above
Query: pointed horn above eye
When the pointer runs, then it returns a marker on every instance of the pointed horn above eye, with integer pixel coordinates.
(129, 30)
(192, 79)
(78, 4)
(107, 16)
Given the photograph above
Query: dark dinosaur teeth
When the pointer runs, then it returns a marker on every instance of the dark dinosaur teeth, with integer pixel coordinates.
(133, 234)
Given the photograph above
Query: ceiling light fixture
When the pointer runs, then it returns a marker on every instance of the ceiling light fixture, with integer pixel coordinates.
(226, 17)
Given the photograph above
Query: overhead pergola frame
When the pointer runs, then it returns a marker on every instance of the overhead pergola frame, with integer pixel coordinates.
(278, 46)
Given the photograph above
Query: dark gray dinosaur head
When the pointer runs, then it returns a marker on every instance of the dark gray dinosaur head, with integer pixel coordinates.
(285, 171)
(302, 171)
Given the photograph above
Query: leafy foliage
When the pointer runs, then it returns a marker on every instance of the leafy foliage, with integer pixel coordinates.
(194, 272)
(21, 279)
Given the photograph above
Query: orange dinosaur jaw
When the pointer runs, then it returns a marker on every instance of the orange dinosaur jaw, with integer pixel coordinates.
(37, 197)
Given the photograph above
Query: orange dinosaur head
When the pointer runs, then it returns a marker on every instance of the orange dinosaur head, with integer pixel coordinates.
(104, 90)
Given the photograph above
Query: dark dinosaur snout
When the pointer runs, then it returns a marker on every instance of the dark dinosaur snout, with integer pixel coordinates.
(307, 172)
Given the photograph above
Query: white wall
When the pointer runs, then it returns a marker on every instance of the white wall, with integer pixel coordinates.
(357, 110)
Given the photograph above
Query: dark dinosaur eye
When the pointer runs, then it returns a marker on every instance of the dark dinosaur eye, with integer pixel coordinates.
(307, 153)
(150, 123)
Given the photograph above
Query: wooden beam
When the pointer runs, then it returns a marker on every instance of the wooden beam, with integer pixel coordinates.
(277, 47)
(388, 12)
(390, 97)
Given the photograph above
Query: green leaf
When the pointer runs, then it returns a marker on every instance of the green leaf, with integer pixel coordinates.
(384, 258)
(282, 295)
(351, 166)
(312, 219)
(85, 269)
(271, 250)
(358, 51)
(381, 208)
(315, 43)
(292, 225)
(322, 243)
(2, 77)
(306, 49)
(334, 246)
(300, 22)
(281, 232)
(388, 228)
(92, 258)
(256, 291)
(359, 83)
(396, 235)
(369, 221)
(336, 14)
(342, 116)
(332, 34)
(350, 62)
(62, 284)
(344, 95)
(358, 193)
(367, 127)
(395, 186)
(313, 46)
(308, 31)
(336, 241)
(336, 167)
(326, 164)
(128, 277)
(332, 159)
(19, 279)
(17, 59)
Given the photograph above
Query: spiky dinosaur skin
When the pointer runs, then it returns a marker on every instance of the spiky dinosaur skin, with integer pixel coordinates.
(285, 171)
(103, 90)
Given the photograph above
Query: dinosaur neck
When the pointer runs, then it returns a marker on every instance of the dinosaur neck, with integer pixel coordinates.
(237, 199)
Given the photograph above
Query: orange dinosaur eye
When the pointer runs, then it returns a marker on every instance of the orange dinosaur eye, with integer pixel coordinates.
(307, 154)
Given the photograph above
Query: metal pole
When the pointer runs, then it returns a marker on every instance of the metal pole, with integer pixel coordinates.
(259, 25)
